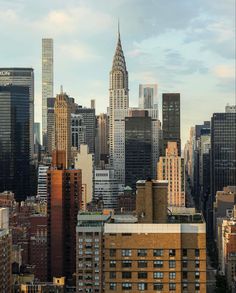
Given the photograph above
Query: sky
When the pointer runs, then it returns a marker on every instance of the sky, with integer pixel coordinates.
(185, 46)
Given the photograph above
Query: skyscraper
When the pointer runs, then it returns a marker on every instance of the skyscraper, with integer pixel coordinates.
(223, 151)
(147, 96)
(25, 77)
(103, 135)
(171, 120)
(47, 82)
(118, 96)
(89, 121)
(171, 168)
(62, 112)
(138, 147)
(15, 140)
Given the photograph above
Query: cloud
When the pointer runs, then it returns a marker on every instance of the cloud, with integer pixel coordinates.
(77, 52)
(224, 71)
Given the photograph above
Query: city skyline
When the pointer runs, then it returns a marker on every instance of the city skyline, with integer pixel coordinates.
(192, 54)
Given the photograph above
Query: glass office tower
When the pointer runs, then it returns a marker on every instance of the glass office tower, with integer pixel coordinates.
(15, 140)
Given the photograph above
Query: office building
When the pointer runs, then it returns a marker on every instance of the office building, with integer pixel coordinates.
(171, 168)
(223, 151)
(103, 137)
(78, 130)
(37, 140)
(171, 120)
(62, 112)
(138, 147)
(42, 182)
(64, 201)
(147, 96)
(47, 81)
(85, 162)
(107, 188)
(118, 97)
(89, 121)
(89, 251)
(15, 140)
(22, 77)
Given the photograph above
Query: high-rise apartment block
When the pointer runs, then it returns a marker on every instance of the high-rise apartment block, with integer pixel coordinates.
(147, 96)
(171, 120)
(138, 147)
(118, 99)
(64, 202)
(223, 151)
(47, 81)
(15, 140)
(22, 77)
(171, 168)
(89, 251)
(62, 131)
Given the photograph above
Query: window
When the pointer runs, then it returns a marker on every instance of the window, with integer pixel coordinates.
(185, 286)
(172, 275)
(142, 252)
(172, 286)
(172, 264)
(197, 275)
(142, 286)
(172, 252)
(197, 252)
(112, 252)
(126, 264)
(158, 275)
(113, 286)
(126, 252)
(185, 275)
(158, 263)
(142, 275)
(126, 275)
(185, 252)
(142, 264)
(158, 252)
(158, 286)
(112, 263)
(197, 286)
(126, 286)
(112, 275)
(197, 263)
(185, 263)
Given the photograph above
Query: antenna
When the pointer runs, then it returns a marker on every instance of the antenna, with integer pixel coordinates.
(61, 89)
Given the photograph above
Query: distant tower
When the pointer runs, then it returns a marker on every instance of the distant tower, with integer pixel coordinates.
(47, 82)
(171, 168)
(62, 112)
(119, 91)
(147, 96)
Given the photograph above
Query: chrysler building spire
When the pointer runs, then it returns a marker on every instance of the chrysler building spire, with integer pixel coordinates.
(118, 97)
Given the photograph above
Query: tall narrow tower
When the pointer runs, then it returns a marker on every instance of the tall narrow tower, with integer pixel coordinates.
(62, 112)
(118, 92)
(47, 82)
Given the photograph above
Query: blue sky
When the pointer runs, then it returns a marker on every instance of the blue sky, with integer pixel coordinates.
(185, 46)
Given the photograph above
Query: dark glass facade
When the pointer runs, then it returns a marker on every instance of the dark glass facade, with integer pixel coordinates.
(223, 151)
(171, 120)
(15, 140)
(138, 149)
